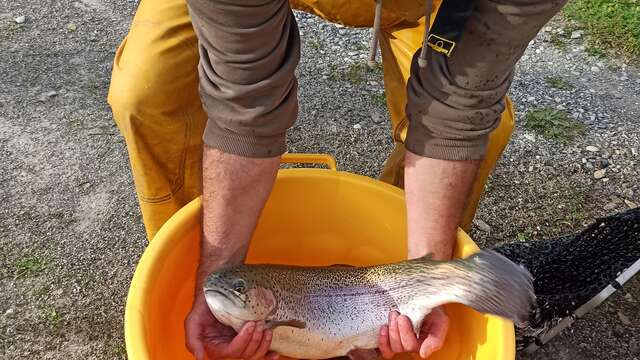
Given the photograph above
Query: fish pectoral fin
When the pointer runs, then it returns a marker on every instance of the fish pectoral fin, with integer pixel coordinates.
(272, 324)
(341, 265)
(363, 354)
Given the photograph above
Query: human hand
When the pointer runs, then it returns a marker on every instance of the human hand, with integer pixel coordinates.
(398, 336)
(207, 338)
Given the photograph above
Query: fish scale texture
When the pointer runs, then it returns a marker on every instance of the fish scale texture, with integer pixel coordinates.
(570, 270)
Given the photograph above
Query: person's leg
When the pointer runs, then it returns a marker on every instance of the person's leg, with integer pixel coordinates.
(398, 46)
(155, 102)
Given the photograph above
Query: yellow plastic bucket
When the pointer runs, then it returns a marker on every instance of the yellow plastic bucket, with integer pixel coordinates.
(312, 217)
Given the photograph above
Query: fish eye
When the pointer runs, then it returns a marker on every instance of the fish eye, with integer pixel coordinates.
(239, 286)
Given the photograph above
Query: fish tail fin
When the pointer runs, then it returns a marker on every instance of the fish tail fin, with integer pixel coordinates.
(494, 284)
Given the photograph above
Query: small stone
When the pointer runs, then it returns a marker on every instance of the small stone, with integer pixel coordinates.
(634, 347)
(531, 168)
(630, 204)
(599, 174)
(577, 34)
(531, 98)
(20, 19)
(9, 312)
(610, 206)
(623, 318)
(376, 117)
(482, 226)
(629, 297)
(601, 163)
(628, 193)
(592, 148)
(357, 126)
(618, 331)
(72, 27)
(46, 96)
(595, 69)
(547, 28)
(530, 137)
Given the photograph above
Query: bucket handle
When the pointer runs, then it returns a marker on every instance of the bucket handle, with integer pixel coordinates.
(326, 159)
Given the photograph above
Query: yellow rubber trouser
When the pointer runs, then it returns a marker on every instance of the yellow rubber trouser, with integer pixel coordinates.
(155, 102)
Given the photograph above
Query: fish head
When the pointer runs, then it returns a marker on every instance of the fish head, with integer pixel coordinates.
(237, 295)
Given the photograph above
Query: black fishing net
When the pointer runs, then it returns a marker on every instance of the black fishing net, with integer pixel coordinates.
(570, 270)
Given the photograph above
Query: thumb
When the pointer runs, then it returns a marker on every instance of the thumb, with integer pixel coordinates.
(435, 338)
(192, 341)
(197, 350)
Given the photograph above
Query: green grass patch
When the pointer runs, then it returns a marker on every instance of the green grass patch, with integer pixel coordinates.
(553, 124)
(379, 99)
(53, 318)
(30, 266)
(558, 83)
(356, 73)
(575, 205)
(316, 44)
(595, 51)
(119, 351)
(557, 41)
(9, 30)
(614, 24)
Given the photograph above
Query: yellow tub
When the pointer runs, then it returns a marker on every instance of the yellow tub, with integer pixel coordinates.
(313, 217)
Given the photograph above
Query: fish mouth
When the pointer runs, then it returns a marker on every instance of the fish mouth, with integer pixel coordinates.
(227, 295)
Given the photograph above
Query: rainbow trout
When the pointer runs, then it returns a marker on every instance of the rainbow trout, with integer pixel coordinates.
(326, 312)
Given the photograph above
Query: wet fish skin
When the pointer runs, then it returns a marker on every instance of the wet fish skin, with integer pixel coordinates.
(325, 312)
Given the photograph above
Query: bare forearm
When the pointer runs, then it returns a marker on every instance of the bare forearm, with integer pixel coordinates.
(234, 192)
(436, 192)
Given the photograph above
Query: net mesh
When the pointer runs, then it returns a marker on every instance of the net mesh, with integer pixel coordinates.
(570, 270)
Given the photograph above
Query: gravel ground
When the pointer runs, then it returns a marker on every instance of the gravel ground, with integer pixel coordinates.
(70, 229)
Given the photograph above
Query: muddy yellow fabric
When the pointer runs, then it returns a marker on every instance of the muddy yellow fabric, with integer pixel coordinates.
(155, 102)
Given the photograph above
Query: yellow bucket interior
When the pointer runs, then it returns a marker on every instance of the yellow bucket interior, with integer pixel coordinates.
(312, 217)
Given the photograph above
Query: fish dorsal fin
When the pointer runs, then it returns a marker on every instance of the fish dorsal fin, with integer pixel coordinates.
(272, 324)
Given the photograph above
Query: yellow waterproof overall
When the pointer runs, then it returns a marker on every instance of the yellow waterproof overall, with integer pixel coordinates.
(155, 101)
